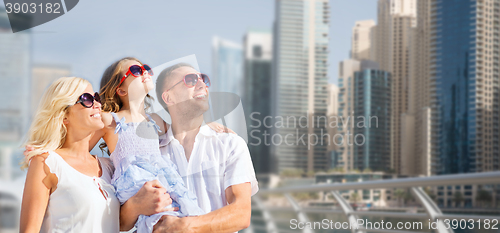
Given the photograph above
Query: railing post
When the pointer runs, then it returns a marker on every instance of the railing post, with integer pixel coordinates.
(249, 229)
(431, 208)
(302, 216)
(270, 226)
(353, 219)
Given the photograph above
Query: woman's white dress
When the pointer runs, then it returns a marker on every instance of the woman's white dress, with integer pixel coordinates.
(81, 203)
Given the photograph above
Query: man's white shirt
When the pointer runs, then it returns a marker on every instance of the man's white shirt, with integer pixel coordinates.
(217, 161)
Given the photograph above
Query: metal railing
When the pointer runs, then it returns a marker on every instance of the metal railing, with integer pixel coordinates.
(432, 212)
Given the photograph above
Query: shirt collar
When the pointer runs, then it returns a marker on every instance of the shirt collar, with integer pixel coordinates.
(169, 136)
(206, 131)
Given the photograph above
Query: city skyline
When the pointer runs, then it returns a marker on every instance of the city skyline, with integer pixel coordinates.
(57, 41)
(63, 43)
(444, 87)
(396, 60)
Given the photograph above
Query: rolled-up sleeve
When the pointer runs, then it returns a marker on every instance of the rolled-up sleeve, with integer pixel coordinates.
(239, 167)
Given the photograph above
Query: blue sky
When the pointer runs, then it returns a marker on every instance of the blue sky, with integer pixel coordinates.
(96, 33)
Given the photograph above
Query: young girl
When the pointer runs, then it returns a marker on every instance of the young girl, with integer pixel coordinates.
(131, 136)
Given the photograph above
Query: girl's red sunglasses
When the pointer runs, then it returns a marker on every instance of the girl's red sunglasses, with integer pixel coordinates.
(136, 71)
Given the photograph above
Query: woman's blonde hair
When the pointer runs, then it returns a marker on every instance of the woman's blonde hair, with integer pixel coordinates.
(47, 131)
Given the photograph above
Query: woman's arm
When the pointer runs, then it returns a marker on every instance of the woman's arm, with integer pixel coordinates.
(40, 183)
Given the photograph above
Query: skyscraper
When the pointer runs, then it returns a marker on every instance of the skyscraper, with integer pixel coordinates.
(257, 47)
(332, 129)
(392, 41)
(465, 67)
(15, 76)
(347, 68)
(363, 94)
(454, 95)
(300, 64)
(15, 73)
(227, 76)
(361, 40)
(227, 66)
(372, 108)
(419, 140)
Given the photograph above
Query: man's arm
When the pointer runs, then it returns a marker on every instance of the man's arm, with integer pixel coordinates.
(230, 218)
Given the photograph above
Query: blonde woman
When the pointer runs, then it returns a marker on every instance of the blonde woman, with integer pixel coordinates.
(67, 189)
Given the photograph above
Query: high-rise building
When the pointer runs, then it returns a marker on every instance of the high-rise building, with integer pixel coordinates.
(455, 93)
(347, 68)
(465, 66)
(257, 47)
(392, 42)
(42, 76)
(300, 81)
(419, 156)
(332, 127)
(384, 33)
(372, 109)
(227, 66)
(361, 40)
(227, 76)
(351, 88)
(15, 76)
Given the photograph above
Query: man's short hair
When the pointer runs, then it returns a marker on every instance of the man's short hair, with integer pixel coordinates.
(163, 78)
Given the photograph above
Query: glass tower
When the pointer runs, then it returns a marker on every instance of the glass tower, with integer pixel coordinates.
(372, 105)
(257, 46)
(227, 79)
(300, 81)
(15, 76)
(466, 72)
(227, 69)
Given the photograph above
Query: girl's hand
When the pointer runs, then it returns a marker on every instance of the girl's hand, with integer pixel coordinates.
(220, 128)
(28, 149)
(152, 198)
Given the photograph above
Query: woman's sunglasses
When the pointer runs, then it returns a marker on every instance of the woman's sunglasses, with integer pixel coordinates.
(136, 71)
(190, 80)
(87, 100)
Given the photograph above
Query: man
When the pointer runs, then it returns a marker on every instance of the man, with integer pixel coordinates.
(216, 167)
